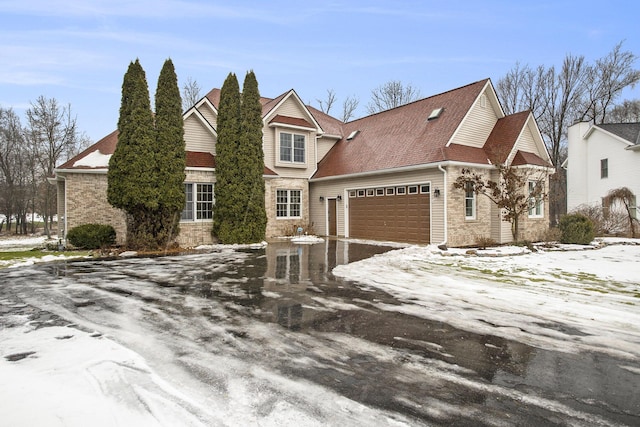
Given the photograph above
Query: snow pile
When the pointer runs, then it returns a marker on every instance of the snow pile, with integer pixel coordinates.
(307, 239)
(94, 159)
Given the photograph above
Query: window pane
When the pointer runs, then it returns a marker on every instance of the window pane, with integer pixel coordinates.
(469, 201)
(298, 148)
(282, 201)
(294, 207)
(285, 147)
(204, 204)
(187, 213)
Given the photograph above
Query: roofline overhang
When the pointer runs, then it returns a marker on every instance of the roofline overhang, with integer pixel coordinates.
(91, 171)
(411, 168)
(288, 126)
(635, 147)
(200, 169)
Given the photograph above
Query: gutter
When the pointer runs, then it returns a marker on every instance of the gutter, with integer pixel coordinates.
(401, 169)
(444, 199)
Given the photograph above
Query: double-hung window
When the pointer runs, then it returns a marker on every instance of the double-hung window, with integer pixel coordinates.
(198, 202)
(292, 148)
(536, 205)
(604, 168)
(469, 201)
(288, 203)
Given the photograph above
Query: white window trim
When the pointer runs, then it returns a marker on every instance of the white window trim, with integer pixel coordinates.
(292, 163)
(194, 202)
(538, 204)
(288, 216)
(474, 205)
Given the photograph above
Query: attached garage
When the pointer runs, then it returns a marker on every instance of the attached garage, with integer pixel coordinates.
(399, 213)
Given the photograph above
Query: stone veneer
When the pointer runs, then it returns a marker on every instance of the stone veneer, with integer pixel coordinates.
(464, 232)
(282, 227)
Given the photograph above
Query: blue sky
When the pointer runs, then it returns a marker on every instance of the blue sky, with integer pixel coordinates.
(78, 51)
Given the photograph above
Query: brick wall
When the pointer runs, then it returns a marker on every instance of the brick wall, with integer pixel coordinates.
(86, 203)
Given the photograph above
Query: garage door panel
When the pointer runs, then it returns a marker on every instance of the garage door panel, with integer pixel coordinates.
(403, 218)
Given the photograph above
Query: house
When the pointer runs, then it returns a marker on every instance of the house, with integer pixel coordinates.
(388, 176)
(601, 158)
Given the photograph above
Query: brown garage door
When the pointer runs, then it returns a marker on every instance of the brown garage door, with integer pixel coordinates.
(399, 214)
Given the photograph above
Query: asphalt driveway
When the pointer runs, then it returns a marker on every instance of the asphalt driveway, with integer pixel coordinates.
(269, 336)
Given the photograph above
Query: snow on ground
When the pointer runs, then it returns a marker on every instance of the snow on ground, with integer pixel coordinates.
(590, 297)
(564, 300)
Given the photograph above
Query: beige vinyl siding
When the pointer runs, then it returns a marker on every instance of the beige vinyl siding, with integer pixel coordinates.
(324, 145)
(197, 137)
(207, 112)
(477, 125)
(270, 145)
(526, 143)
(291, 108)
(333, 188)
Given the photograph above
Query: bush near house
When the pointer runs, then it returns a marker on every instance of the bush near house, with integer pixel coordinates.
(92, 236)
(576, 229)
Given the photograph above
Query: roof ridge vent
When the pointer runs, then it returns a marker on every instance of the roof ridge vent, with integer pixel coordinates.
(353, 135)
(435, 114)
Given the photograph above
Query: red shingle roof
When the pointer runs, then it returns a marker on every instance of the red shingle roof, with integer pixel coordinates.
(401, 136)
(106, 145)
(504, 136)
(295, 121)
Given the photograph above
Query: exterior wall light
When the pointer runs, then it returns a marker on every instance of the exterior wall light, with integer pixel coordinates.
(322, 198)
(436, 192)
(339, 197)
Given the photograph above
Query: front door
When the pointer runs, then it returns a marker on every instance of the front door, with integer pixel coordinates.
(333, 223)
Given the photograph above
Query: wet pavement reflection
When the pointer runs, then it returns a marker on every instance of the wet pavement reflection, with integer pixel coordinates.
(348, 338)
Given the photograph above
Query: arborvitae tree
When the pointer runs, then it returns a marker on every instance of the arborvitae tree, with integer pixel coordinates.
(170, 155)
(228, 208)
(252, 228)
(132, 174)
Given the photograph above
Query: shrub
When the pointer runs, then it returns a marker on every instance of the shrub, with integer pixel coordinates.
(92, 236)
(576, 229)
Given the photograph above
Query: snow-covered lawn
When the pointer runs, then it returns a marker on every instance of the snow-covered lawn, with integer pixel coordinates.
(592, 295)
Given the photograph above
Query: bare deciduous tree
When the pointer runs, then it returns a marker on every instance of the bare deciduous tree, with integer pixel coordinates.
(190, 93)
(625, 196)
(626, 112)
(349, 107)
(557, 98)
(52, 136)
(511, 192)
(390, 95)
(327, 103)
(12, 154)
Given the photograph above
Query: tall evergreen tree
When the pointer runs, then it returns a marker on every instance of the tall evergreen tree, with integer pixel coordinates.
(227, 207)
(250, 155)
(132, 173)
(170, 155)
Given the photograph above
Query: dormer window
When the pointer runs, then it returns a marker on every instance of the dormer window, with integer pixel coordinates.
(292, 148)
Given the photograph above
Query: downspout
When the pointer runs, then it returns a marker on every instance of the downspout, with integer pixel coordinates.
(444, 193)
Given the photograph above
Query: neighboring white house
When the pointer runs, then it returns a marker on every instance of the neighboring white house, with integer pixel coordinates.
(601, 158)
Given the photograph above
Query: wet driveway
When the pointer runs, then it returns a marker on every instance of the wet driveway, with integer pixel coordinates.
(277, 318)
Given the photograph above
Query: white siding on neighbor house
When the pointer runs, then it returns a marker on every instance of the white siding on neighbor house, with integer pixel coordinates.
(584, 184)
(197, 137)
(331, 188)
(477, 125)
